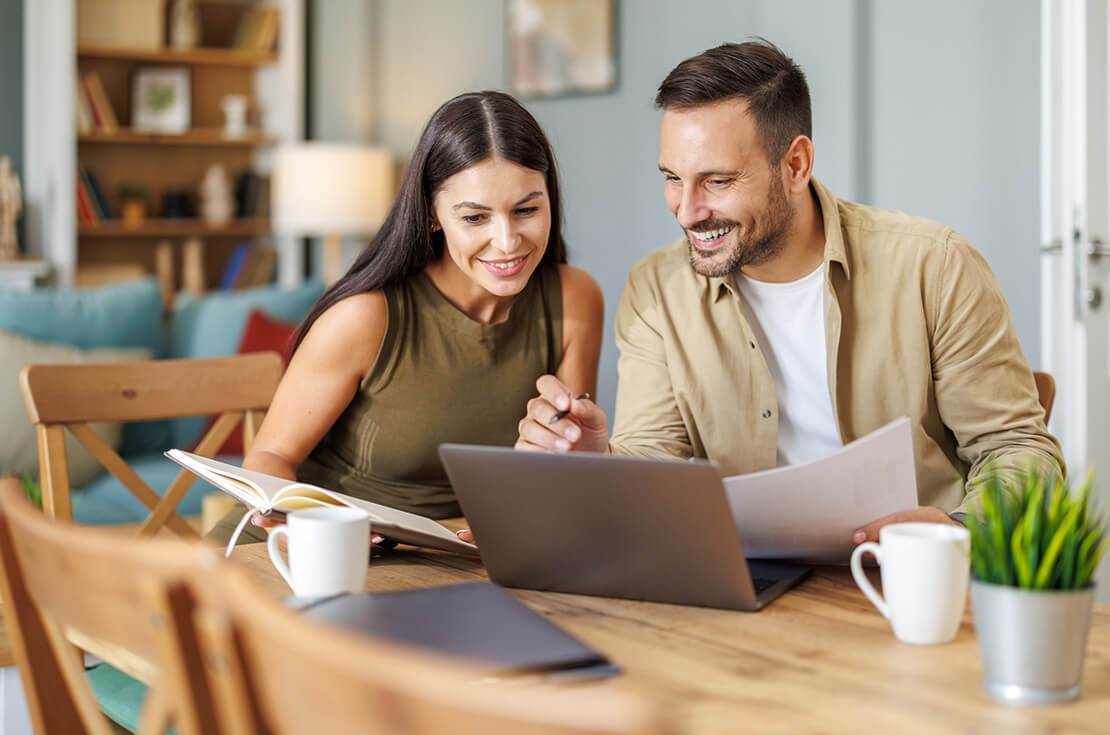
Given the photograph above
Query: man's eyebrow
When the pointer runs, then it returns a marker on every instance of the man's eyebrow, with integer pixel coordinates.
(476, 205)
(702, 174)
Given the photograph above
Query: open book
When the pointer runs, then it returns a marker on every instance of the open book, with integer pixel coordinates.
(263, 494)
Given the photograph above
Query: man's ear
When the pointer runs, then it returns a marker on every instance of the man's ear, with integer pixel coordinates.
(798, 164)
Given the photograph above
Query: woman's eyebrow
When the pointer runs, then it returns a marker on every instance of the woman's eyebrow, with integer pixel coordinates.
(476, 205)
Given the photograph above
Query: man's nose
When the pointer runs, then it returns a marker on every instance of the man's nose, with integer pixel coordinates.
(691, 208)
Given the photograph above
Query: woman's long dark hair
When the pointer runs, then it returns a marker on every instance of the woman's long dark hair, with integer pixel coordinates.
(464, 131)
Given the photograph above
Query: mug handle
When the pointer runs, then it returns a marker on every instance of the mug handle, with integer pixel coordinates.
(275, 553)
(861, 578)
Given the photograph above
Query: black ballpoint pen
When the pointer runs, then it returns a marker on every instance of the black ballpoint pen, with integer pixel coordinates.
(560, 415)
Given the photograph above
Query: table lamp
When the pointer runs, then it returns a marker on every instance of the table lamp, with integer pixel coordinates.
(330, 190)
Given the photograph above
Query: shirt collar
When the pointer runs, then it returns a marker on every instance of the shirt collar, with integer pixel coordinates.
(835, 250)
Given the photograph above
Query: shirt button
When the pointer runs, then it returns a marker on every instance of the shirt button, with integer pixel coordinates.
(752, 345)
(766, 413)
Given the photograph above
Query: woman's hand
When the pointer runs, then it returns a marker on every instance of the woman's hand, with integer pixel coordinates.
(465, 535)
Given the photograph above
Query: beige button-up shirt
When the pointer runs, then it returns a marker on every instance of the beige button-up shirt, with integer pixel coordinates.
(915, 325)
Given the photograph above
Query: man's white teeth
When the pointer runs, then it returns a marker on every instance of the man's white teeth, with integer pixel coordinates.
(507, 265)
(711, 234)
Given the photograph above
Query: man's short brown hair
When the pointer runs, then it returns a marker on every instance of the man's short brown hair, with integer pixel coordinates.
(757, 71)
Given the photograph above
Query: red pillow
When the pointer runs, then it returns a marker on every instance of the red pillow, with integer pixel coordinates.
(262, 334)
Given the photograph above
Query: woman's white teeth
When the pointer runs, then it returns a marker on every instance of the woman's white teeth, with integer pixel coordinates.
(711, 234)
(506, 265)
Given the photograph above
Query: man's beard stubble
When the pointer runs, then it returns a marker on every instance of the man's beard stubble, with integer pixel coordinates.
(765, 245)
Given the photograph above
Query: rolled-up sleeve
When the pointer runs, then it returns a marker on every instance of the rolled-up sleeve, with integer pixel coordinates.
(648, 422)
(984, 388)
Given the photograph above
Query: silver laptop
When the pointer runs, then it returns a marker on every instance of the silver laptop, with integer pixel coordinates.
(640, 529)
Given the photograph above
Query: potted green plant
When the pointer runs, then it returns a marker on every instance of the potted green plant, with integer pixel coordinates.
(1034, 551)
(134, 199)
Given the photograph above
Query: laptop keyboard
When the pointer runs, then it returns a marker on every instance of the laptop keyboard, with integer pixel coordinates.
(763, 584)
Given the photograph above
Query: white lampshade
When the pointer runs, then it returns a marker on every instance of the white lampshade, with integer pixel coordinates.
(330, 189)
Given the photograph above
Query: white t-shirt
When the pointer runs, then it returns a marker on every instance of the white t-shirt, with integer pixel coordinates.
(789, 322)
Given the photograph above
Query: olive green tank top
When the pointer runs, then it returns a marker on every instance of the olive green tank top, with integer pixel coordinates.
(439, 377)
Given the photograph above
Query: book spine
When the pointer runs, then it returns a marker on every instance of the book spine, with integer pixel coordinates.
(235, 266)
(101, 104)
(95, 114)
(98, 194)
(84, 206)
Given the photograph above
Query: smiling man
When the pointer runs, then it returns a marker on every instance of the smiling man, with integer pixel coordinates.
(788, 322)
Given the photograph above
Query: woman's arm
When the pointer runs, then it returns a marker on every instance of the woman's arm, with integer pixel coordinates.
(319, 383)
(583, 325)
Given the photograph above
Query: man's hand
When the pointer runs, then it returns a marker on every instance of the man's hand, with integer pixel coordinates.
(924, 514)
(584, 429)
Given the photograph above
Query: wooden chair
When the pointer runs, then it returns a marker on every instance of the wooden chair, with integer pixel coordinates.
(69, 397)
(125, 600)
(280, 673)
(1046, 392)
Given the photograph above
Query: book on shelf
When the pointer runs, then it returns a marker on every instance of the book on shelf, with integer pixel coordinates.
(96, 193)
(252, 195)
(103, 114)
(257, 30)
(259, 268)
(85, 120)
(265, 494)
(235, 266)
(86, 210)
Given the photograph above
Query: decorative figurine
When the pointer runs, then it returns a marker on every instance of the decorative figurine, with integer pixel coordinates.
(235, 115)
(11, 204)
(217, 205)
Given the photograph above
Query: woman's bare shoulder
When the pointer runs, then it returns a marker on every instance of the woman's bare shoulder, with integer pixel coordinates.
(582, 296)
(351, 329)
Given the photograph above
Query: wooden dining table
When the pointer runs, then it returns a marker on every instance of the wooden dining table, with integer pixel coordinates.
(819, 659)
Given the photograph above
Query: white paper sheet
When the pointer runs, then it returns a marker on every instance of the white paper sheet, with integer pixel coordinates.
(809, 511)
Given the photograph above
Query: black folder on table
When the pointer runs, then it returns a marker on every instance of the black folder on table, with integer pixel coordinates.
(478, 621)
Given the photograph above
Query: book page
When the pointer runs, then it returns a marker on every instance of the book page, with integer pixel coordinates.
(265, 492)
(232, 480)
(809, 511)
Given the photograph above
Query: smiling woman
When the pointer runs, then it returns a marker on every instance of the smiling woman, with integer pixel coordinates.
(443, 324)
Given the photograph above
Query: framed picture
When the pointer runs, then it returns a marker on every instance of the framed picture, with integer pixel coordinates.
(160, 100)
(562, 47)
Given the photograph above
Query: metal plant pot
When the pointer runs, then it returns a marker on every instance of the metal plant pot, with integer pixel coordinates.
(1032, 642)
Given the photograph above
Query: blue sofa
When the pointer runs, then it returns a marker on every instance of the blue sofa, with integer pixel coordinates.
(131, 315)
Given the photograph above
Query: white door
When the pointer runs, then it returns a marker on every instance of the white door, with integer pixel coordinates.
(1075, 196)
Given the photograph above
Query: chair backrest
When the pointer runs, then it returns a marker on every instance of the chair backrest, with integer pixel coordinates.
(69, 397)
(1046, 392)
(299, 676)
(126, 600)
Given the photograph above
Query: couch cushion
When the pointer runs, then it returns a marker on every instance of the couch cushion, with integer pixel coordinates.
(18, 444)
(107, 502)
(120, 697)
(122, 315)
(213, 326)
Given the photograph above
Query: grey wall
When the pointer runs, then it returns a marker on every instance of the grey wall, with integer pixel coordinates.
(926, 106)
(955, 130)
(11, 81)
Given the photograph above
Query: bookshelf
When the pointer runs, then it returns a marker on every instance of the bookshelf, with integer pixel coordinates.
(56, 59)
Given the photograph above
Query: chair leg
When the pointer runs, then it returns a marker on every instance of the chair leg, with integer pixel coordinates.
(53, 472)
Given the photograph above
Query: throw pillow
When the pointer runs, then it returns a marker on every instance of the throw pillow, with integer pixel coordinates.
(18, 444)
(262, 334)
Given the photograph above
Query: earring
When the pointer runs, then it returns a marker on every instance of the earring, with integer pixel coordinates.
(435, 227)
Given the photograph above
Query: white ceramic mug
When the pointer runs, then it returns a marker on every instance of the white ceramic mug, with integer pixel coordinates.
(329, 549)
(925, 568)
